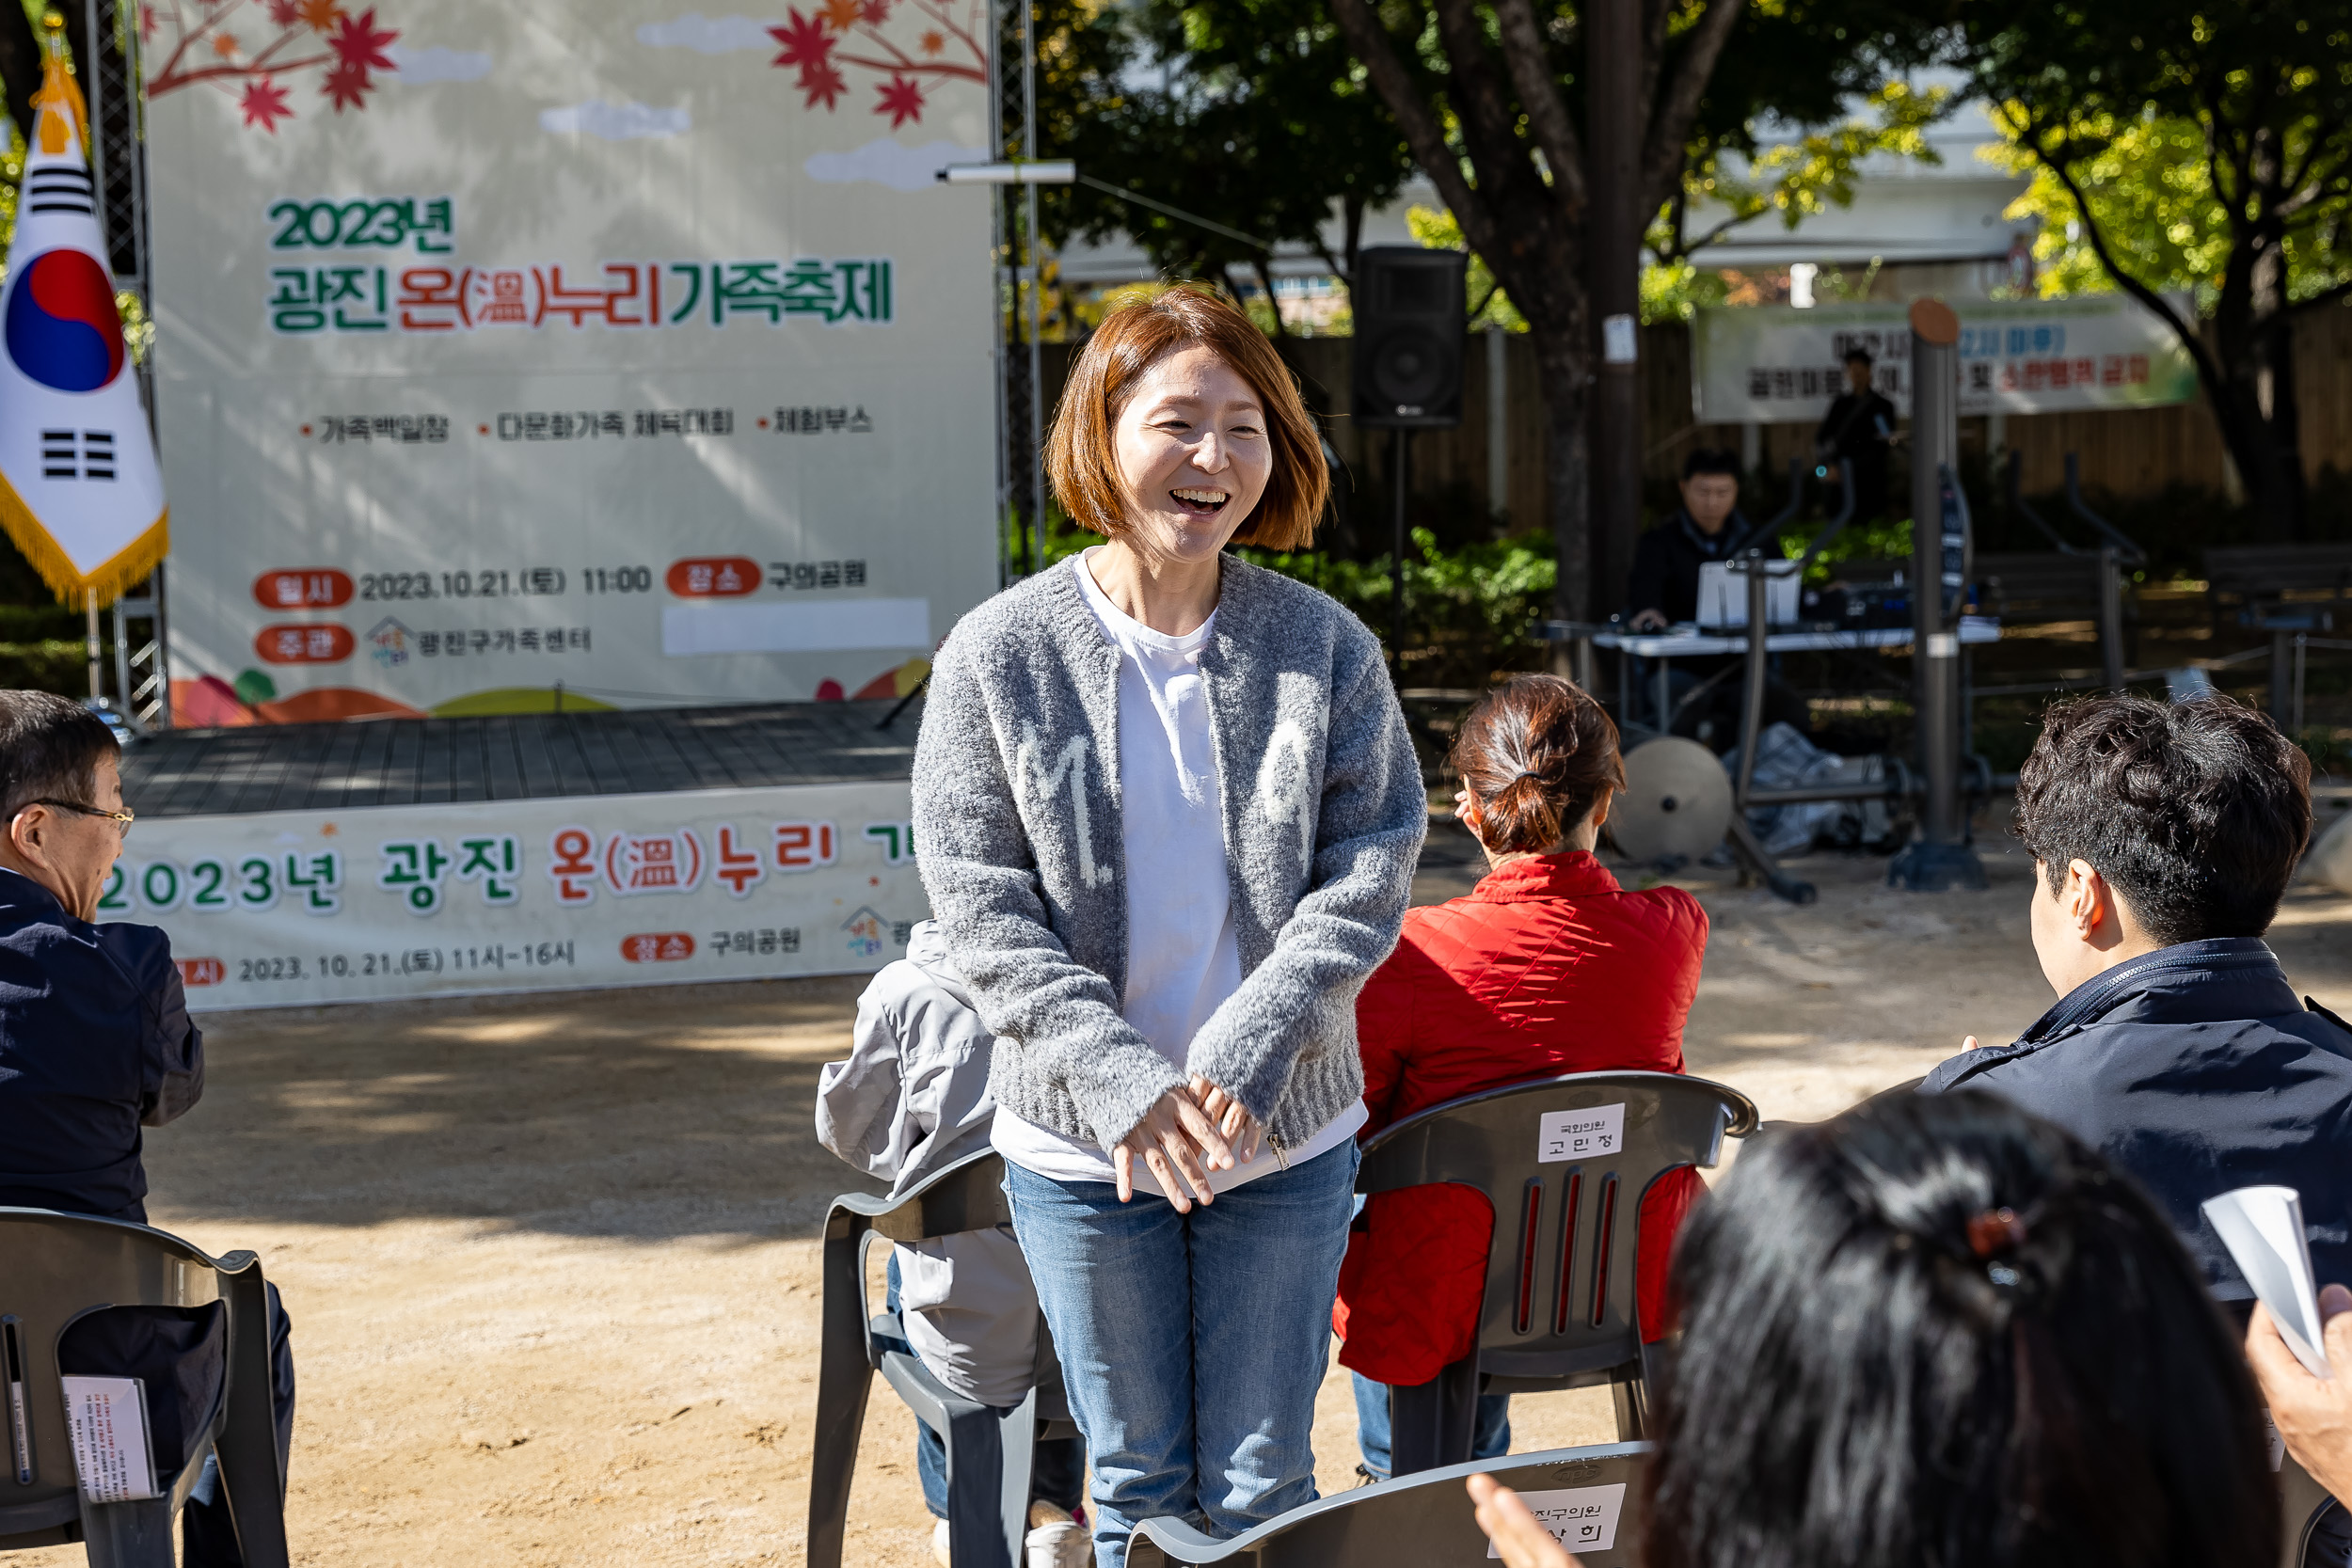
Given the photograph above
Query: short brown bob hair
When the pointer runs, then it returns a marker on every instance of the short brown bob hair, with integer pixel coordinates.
(1082, 453)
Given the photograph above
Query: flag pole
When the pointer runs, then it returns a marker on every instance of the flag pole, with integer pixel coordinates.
(97, 689)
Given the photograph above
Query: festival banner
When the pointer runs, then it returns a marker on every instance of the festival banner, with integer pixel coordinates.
(80, 494)
(275, 909)
(1777, 364)
(610, 356)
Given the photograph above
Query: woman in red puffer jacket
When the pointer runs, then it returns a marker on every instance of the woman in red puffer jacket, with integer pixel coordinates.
(1547, 967)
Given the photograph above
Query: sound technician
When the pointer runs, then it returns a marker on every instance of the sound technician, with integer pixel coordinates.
(1663, 590)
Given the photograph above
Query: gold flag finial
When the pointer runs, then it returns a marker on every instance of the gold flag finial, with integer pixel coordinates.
(59, 93)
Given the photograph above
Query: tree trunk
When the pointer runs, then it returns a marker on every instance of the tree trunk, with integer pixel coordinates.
(1266, 281)
(2259, 419)
(1567, 473)
(2286, 432)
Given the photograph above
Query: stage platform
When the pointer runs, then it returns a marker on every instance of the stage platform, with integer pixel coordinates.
(526, 756)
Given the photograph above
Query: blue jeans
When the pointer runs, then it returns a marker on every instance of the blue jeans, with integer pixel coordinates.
(1490, 1440)
(1191, 1344)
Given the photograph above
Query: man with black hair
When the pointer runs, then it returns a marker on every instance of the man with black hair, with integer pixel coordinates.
(1663, 588)
(95, 1045)
(1859, 427)
(2164, 836)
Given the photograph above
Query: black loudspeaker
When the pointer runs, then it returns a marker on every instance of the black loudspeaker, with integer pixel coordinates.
(1410, 337)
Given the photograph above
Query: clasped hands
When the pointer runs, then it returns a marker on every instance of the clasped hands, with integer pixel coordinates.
(1190, 1131)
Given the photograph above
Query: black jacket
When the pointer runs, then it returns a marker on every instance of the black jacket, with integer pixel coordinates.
(1666, 561)
(1858, 426)
(95, 1042)
(2195, 1069)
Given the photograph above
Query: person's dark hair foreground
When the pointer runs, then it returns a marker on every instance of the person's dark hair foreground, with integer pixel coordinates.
(2197, 812)
(1938, 1331)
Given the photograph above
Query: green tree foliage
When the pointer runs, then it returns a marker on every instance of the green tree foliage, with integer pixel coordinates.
(1470, 613)
(1813, 168)
(1491, 96)
(1249, 114)
(2179, 144)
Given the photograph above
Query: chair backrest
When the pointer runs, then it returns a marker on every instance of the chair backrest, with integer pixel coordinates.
(2255, 571)
(1565, 1162)
(2065, 582)
(60, 1268)
(1590, 1498)
(968, 1194)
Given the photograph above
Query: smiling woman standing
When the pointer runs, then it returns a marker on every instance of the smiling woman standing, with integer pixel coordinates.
(1168, 814)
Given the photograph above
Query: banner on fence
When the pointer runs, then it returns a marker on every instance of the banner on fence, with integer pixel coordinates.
(279, 908)
(641, 358)
(1777, 364)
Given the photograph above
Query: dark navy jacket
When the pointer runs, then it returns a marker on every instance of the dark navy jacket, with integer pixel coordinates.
(95, 1042)
(1666, 562)
(2195, 1069)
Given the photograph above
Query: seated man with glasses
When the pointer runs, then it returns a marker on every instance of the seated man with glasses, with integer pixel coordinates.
(95, 1045)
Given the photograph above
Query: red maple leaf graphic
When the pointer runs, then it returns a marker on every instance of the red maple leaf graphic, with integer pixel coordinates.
(264, 105)
(146, 24)
(284, 13)
(875, 13)
(347, 86)
(823, 83)
(902, 100)
(805, 41)
(360, 45)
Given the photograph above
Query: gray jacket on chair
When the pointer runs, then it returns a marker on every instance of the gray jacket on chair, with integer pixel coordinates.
(1018, 833)
(911, 1100)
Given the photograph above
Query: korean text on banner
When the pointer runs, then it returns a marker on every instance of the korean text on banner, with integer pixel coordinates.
(279, 908)
(630, 362)
(1775, 364)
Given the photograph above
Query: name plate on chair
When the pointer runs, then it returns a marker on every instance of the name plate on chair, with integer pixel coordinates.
(1579, 1134)
(1581, 1518)
(107, 1417)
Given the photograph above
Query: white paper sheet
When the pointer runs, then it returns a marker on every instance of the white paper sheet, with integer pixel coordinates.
(1581, 1518)
(2263, 1227)
(1599, 1132)
(107, 1416)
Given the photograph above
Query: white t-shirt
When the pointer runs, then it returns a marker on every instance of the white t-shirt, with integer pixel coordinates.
(1182, 961)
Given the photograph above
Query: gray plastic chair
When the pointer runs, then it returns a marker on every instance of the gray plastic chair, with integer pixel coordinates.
(2306, 1503)
(1559, 1306)
(62, 1267)
(1427, 1519)
(990, 1451)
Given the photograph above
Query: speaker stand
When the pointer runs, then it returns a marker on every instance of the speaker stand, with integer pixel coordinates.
(1396, 559)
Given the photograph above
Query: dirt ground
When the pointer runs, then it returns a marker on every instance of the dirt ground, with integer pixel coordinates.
(551, 1260)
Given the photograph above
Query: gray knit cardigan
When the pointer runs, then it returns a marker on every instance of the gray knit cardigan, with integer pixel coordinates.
(1018, 836)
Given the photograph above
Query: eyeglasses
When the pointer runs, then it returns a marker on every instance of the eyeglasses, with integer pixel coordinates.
(121, 819)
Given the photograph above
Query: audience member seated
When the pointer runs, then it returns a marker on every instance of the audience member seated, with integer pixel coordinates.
(1937, 1330)
(913, 1100)
(96, 1045)
(1547, 967)
(2165, 835)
